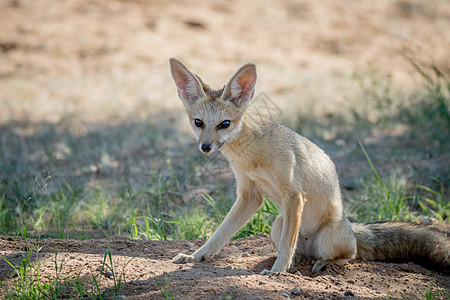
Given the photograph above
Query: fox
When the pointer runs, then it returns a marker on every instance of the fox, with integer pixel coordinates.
(269, 159)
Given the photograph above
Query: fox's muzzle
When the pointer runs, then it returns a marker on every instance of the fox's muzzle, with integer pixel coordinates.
(206, 148)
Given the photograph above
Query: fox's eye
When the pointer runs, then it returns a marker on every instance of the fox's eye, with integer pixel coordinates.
(199, 123)
(223, 125)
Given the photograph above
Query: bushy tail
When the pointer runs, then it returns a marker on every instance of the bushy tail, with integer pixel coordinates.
(399, 241)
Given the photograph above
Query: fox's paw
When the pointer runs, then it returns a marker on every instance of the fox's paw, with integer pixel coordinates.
(320, 264)
(266, 272)
(183, 258)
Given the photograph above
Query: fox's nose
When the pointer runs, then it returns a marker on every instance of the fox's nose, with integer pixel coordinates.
(206, 148)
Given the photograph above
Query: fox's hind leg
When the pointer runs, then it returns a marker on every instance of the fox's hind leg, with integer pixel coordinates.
(334, 243)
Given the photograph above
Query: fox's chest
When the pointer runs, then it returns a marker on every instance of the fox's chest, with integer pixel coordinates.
(266, 183)
(258, 168)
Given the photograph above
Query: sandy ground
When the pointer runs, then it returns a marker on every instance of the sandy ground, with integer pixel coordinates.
(234, 272)
(104, 61)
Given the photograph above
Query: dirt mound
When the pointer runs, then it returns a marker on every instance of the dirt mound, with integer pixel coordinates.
(146, 267)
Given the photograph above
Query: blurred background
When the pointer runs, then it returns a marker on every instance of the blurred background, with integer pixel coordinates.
(93, 136)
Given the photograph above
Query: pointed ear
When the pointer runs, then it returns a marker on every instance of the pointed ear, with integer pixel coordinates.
(241, 87)
(189, 88)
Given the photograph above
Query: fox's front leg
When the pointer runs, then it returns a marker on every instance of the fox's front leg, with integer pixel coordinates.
(248, 201)
(292, 212)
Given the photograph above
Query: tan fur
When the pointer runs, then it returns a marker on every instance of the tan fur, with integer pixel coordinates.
(270, 159)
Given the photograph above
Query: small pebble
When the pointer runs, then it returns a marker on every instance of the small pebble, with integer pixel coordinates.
(349, 293)
(257, 298)
(108, 274)
(296, 291)
(404, 267)
(228, 267)
(286, 294)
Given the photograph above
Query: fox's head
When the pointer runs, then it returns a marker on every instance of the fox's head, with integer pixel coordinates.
(215, 115)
